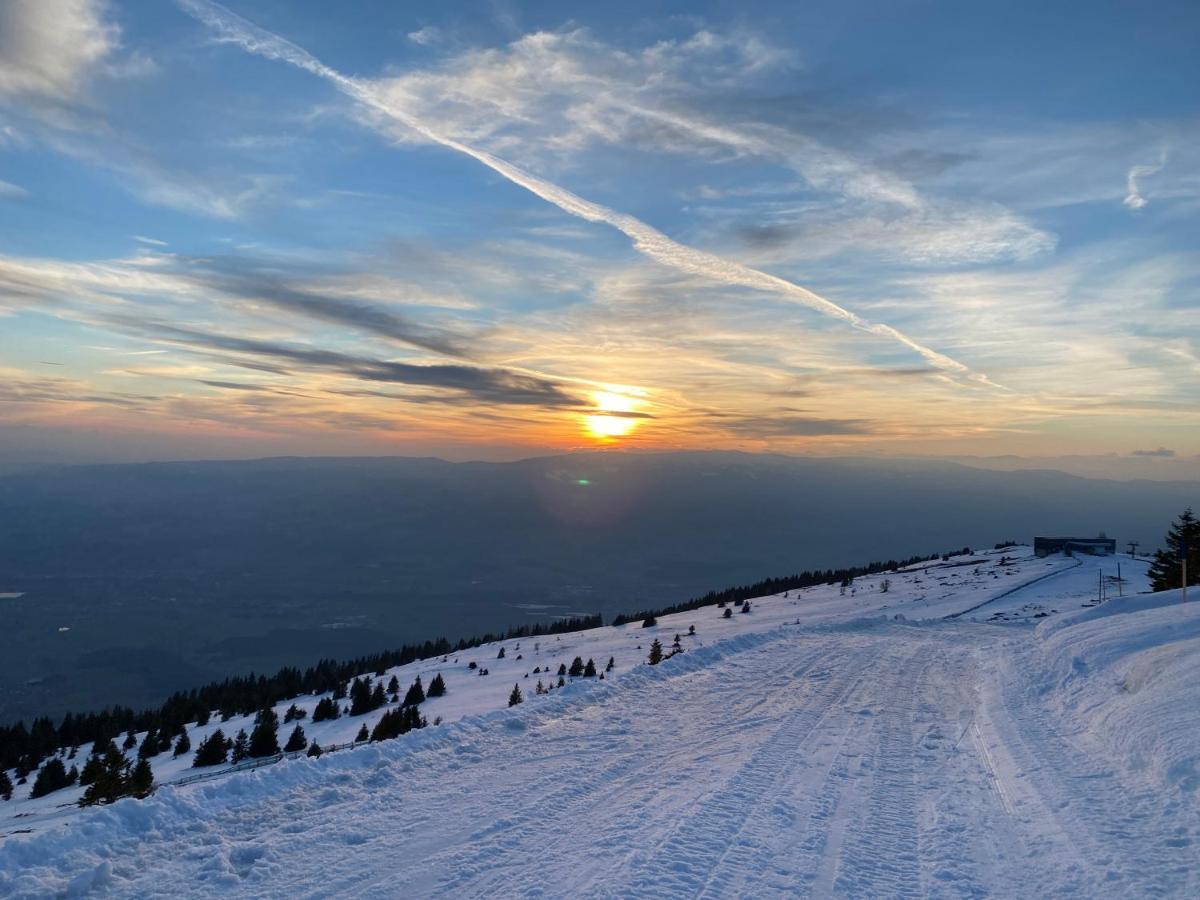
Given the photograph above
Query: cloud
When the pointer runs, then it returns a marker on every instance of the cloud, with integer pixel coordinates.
(48, 47)
(1161, 452)
(645, 238)
(12, 191)
(488, 385)
(1134, 198)
(796, 426)
(423, 37)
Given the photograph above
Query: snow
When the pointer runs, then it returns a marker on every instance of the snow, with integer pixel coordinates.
(856, 745)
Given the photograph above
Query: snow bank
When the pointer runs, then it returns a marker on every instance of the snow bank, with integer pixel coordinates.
(1126, 674)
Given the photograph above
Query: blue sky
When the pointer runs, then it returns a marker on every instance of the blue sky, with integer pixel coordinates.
(494, 229)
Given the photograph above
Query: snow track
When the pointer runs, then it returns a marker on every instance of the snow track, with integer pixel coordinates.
(866, 758)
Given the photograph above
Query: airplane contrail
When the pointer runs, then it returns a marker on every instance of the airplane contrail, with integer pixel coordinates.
(646, 239)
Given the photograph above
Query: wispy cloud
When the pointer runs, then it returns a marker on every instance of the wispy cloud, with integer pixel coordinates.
(1134, 199)
(645, 238)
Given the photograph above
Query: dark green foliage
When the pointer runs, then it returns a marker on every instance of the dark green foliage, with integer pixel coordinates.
(51, 777)
(691, 630)
(93, 766)
(314, 749)
(589, 671)
(656, 653)
(213, 750)
(293, 714)
(611, 664)
(6, 786)
(393, 686)
(576, 667)
(202, 717)
(241, 747)
(363, 734)
(150, 745)
(296, 741)
(378, 697)
(515, 697)
(130, 740)
(112, 779)
(562, 669)
(183, 745)
(500, 655)
(364, 699)
(326, 709)
(396, 722)
(264, 740)
(1166, 572)
(728, 614)
(141, 780)
(649, 622)
(437, 687)
(415, 694)
(541, 688)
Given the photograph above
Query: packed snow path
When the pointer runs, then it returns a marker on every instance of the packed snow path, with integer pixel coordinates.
(870, 759)
(823, 745)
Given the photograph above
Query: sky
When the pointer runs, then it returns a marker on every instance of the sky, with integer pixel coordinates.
(497, 229)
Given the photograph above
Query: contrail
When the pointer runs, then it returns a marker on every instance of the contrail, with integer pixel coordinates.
(646, 239)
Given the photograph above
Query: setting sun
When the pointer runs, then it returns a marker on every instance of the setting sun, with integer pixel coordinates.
(614, 416)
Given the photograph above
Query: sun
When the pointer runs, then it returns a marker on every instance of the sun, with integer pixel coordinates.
(614, 416)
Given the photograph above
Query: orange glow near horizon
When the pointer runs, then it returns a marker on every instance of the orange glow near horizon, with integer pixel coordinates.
(608, 422)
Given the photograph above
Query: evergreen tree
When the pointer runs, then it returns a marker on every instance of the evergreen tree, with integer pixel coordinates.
(149, 747)
(141, 781)
(515, 697)
(437, 687)
(202, 717)
(6, 786)
(589, 671)
(728, 614)
(1166, 572)
(130, 740)
(72, 776)
(183, 745)
(314, 749)
(213, 750)
(264, 740)
(561, 681)
(326, 709)
(363, 734)
(649, 622)
(51, 777)
(576, 668)
(611, 664)
(415, 694)
(297, 741)
(112, 778)
(500, 655)
(691, 630)
(541, 688)
(393, 686)
(339, 691)
(656, 653)
(91, 769)
(241, 746)
(378, 697)
(562, 669)
(293, 713)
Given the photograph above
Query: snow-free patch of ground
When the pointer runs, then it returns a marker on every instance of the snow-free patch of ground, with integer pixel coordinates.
(856, 744)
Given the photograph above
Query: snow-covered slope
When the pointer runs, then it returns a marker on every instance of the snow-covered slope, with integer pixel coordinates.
(859, 744)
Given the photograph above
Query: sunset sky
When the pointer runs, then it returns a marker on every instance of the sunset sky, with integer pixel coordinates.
(495, 229)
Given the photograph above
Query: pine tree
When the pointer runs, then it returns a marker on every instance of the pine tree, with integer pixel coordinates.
(297, 741)
(1166, 572)
(650, 622)
(561, 681)
(728, 614)
(141, 781)
(541, 688)
(500, 655)
(241, 746)
(326, 709)
(656, 653)
(183, 745)
(562, 669)
(6, 786)
(149, 747)
(415, 694)
(72, 776)
(589, 671)
(576, 668)
(130, 740)
(437, 687)
(51, 777)
(112, 778)
(515, 697)
(378, 697)
(314, 749)
(393, 686)
(264, 740)
(611, 664)
(692, 630)
(363, 734)
(213, 750)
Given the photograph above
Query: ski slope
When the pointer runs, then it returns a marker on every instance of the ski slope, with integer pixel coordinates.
(857, 745)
